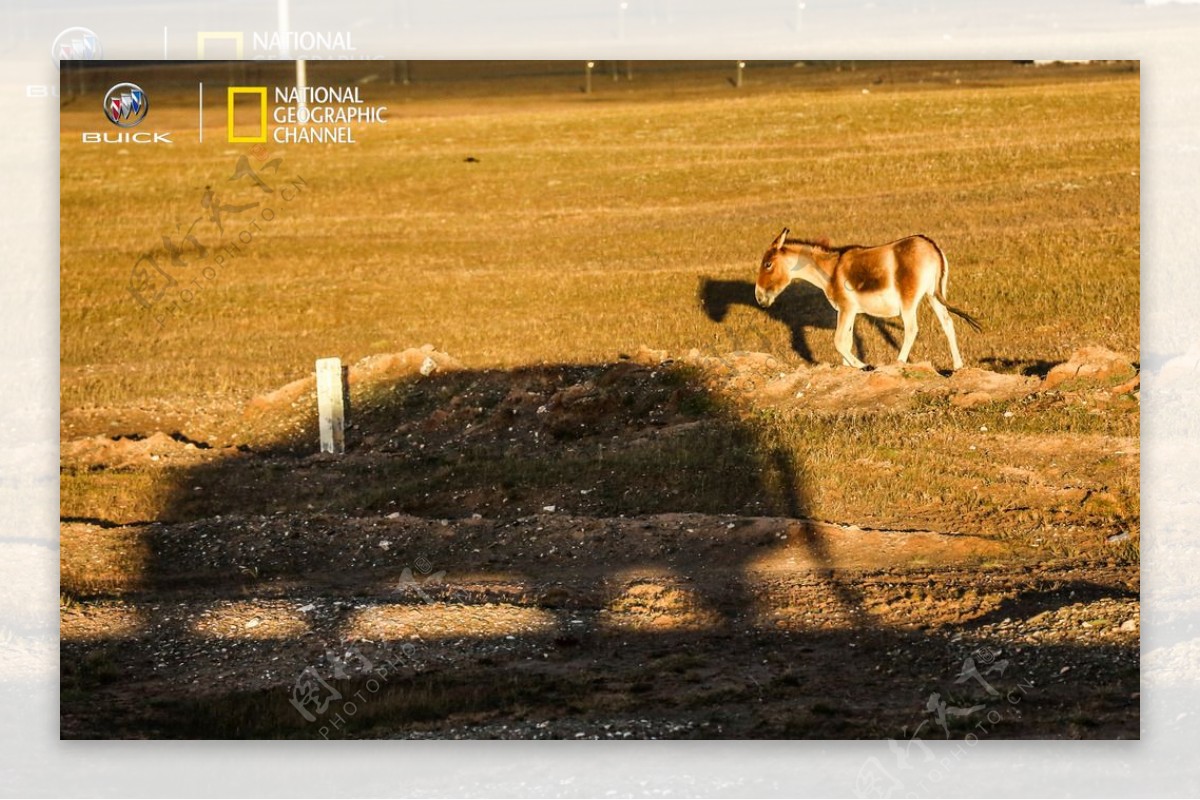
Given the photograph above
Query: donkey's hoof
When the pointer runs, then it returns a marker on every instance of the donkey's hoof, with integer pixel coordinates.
(867, 368)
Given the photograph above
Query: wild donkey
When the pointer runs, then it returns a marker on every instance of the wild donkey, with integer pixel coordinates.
(882, 281)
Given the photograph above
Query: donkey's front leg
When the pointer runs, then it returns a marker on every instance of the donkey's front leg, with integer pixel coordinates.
(843, 339)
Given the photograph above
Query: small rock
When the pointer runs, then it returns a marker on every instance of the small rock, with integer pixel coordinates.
(550, 508)
(1129, 625)
(254, 623)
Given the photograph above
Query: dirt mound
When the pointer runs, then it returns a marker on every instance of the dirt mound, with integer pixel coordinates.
(422, 395)
(761, 378)
(364, 376)
(647, 433)
(388, 367)
(291, 408)
(285, 397)
(1092, 365)
(123, 452)
(418, 391)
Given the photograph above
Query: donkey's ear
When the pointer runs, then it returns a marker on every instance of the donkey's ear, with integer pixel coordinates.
(782, 237)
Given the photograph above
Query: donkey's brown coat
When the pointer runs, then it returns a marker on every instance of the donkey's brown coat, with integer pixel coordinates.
(883, 281)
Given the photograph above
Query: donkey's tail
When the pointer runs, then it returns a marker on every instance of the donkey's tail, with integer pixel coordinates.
(940, 294)
(967, 318)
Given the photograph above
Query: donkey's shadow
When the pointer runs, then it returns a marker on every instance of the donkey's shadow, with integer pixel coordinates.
(801, 308)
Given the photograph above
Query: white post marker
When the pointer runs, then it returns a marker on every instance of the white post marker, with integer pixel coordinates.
(301, 82)
(331, 412)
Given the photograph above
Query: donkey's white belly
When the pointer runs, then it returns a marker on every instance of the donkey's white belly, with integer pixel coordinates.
(878, 304)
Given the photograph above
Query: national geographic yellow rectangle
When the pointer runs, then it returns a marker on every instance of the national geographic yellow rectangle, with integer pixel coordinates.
(261, 91)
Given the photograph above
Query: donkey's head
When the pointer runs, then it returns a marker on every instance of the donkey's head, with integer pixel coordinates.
(775, 272)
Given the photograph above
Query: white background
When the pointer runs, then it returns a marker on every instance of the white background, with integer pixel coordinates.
(1164, 36)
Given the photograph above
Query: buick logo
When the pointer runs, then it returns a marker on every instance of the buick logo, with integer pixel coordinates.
(76, 44)
(126, 105)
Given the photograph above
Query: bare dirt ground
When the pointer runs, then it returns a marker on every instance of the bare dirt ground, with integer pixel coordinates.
(624, 550)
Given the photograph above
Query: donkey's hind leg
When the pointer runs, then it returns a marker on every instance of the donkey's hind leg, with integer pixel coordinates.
(943, 315)
(909, 316)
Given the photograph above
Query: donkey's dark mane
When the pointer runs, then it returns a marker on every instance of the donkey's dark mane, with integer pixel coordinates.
(824, 244)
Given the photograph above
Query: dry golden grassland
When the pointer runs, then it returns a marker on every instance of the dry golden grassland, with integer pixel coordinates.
(742, 508)
(589, 223)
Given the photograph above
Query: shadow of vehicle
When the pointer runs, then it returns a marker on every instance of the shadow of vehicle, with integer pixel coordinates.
(545, 552)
